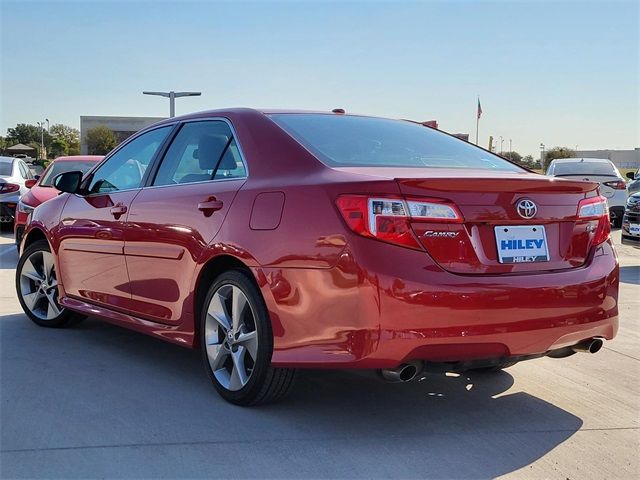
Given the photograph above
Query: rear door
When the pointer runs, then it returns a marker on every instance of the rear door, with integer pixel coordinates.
(92, 225)
(178, 214)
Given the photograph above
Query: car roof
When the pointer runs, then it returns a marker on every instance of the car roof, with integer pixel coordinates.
(580, 160)
(7, 159)
(87, 158)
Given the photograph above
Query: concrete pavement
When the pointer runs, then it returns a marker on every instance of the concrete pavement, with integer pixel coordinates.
(100, 401)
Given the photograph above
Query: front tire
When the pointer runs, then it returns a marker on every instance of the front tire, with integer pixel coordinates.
(37, 288)
(237, 343)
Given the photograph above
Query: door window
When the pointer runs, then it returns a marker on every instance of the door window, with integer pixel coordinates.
(201, 151)
(125, 169)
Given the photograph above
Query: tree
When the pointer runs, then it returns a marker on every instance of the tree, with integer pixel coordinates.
(3, 144)
(529, 162)
(59, 147)
(26, 134)
(513, 156)
(70, 136)
(557, 152)
(101, 140)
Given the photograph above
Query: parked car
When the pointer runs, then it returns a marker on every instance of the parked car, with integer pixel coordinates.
(13, 175)
(42, 189)
(612, 185)
(275, 241)
(631, 223)
(634, 184)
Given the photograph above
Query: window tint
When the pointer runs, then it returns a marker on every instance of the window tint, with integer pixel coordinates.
(124, 169)
(339, 140)
(585, 168)
(23, 170)
(5, 168)
(201, 151)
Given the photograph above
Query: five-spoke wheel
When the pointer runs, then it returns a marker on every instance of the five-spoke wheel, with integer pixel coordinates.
(37, 287)
(237, 342)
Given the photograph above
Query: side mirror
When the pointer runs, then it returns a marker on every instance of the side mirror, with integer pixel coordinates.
(37, 177)
(68, 181)
(631, 175)
(31, 182)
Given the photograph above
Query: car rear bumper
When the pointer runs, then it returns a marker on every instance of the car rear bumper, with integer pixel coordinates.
(8, 211)
(394, 306)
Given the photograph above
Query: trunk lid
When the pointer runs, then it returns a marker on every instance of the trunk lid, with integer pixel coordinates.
(488, 201)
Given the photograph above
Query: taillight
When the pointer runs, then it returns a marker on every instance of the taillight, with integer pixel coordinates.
(596, 208)
(617, 185)
(388, 219)
(9, 187)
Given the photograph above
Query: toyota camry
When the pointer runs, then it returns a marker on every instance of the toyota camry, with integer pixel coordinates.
(275, 240)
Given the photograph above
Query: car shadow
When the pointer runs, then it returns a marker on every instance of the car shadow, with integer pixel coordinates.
(630, 274)
(8, 252)
(98, 384)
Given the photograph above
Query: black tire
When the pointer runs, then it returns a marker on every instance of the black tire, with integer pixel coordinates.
(65, 317)
(617, 222)
(265, 383)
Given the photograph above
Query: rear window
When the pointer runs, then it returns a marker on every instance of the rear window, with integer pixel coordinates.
(60, 167)
(342, 141)
(5, 169)
(584, 168)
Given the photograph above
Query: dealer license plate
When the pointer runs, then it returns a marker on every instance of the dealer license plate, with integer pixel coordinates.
(522, 244)
(634, 228)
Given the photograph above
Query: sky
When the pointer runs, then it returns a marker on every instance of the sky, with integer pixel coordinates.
(558, 73)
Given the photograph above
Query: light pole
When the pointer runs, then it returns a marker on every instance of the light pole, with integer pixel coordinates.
(542, 155)
(172, 98)
(510, 147)
(41, 125)
(501, 142)
(48, 128)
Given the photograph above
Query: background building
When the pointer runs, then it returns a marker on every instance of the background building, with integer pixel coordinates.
(123, 127)
(621, 158)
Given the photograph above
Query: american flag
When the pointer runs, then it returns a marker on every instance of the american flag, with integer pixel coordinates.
(479, 108)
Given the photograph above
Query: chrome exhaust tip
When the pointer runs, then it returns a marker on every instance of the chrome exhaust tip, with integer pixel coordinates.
(403, 373)
(593, 345)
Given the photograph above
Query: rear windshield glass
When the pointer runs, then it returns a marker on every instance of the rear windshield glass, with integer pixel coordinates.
(342, 141)
(584, 168)
(5, 169)
(60, 167)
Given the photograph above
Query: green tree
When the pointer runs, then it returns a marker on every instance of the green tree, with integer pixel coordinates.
(70, 135)
(25, 133)
(101, 140)
(529, 162)
(59, 147)
(557, 152)
(3, 144)
(513, 156)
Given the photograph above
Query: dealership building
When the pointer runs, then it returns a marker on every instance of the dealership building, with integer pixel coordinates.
(123, 127)
(620, 158)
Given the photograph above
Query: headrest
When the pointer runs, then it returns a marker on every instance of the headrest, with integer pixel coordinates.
(209, 149)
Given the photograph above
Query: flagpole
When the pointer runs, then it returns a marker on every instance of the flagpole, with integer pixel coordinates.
(477, 126)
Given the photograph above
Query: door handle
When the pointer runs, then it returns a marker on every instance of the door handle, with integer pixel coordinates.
(211, 205)
(118, 210)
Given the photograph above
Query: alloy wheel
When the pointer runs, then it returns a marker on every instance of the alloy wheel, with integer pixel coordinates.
(231, 338)
(39, 285)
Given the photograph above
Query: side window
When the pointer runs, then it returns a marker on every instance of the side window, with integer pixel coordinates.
(201, 151)
(125, 169)
(23, 171)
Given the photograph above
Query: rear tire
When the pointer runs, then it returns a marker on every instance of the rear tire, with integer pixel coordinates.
(37, 288)
(237, 343)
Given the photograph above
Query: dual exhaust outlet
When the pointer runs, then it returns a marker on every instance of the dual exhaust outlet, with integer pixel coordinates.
(407, 372)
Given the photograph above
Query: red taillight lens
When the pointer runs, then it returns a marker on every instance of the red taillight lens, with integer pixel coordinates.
(388, 219)
(617, 185)
(596, 208)
(9, 187)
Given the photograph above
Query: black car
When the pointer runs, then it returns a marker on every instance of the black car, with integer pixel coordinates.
(631, 221)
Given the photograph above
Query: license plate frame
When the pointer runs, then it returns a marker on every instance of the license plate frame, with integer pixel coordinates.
(634, 229)
(521, 244)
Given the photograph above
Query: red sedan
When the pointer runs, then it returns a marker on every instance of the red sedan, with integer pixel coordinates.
(42, 189)
(275, 241)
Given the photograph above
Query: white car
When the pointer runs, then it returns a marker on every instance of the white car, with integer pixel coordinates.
(13, 175)
(601, 170)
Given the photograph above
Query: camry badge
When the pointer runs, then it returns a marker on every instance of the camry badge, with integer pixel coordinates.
(526, 208)
(433, 233)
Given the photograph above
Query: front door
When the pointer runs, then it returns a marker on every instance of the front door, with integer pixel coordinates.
(173, 220)
(92, 225)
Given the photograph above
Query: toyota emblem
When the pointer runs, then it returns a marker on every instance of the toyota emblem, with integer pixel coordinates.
(526, 208)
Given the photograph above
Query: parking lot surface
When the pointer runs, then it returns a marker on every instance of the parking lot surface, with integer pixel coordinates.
(101, 401)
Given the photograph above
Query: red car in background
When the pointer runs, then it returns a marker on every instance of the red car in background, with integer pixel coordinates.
(42, 189)
(281, 240)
